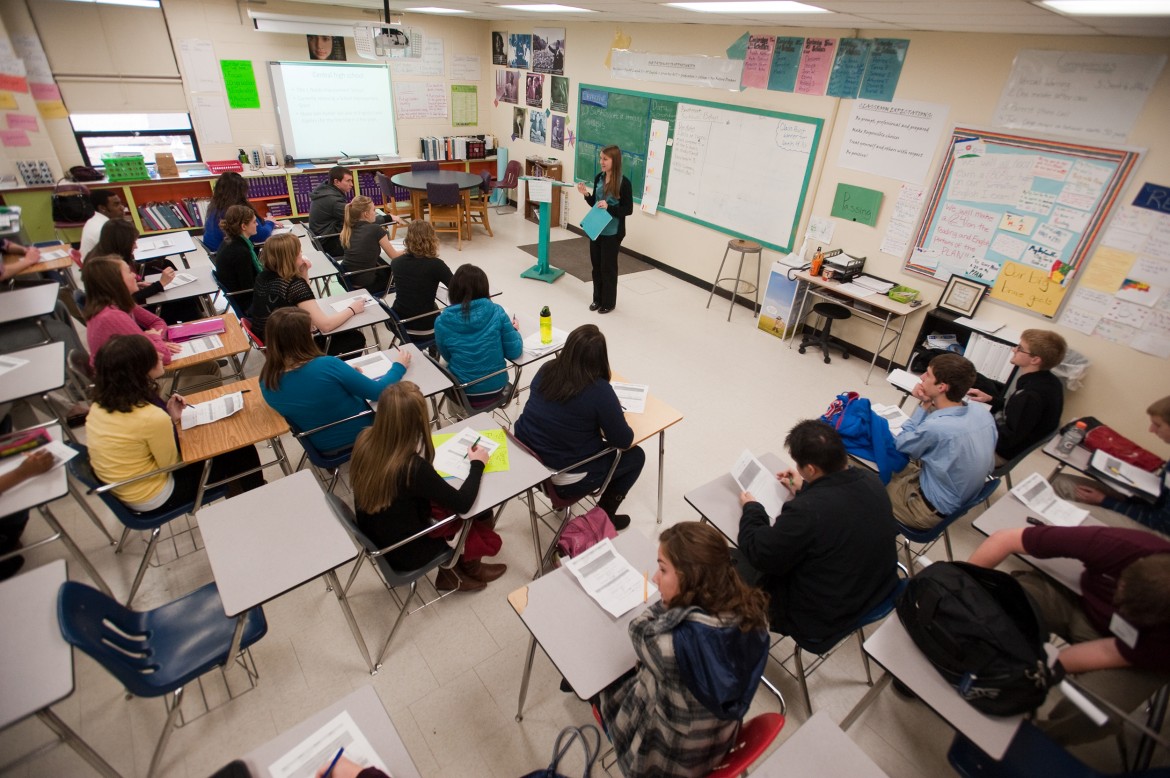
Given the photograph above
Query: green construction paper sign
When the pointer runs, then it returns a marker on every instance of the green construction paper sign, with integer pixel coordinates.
(857, 204)
(738, 50)
(240, 83)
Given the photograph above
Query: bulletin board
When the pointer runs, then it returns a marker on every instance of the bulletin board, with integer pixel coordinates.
(1018, 214)
(741, 171)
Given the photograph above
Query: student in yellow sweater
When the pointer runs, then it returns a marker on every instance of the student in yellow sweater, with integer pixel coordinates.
(131, 431)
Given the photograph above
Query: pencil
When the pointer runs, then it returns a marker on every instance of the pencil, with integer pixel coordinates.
(645, 586)
(333, 764)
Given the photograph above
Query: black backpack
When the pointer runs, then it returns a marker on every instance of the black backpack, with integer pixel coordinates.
(981, 632)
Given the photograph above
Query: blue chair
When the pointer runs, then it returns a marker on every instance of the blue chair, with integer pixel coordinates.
(926, 537)
(328, 462)
(445, 206)
(154, 653)
(232, 297)
(393, 578)
(150, 521)
(825, 648)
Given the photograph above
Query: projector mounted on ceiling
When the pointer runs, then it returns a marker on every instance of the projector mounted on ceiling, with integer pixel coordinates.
(384, 41)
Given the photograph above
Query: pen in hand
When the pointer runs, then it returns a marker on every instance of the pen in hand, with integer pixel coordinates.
(473, 445)
(329, 770)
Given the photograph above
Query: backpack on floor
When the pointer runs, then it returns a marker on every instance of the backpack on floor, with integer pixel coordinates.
(981, 632)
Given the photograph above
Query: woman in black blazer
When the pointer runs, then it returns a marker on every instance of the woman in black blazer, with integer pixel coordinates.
(611, 191)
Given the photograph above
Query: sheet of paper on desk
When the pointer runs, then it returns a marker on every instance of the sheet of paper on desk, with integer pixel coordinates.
(856, 290)
(50, 255)
(8, 364)
(155, 244)
(319, 748)
(212, 410)
(631, 396)
(893, 415)
(451, 451)
(341, 305)
(752, 476)
(1124, 473)
(610, 579)
(373, 365)
(180, 279)
(533, 345)
(1039, 496)
(190, 348)
(904, 379)
(61, 454)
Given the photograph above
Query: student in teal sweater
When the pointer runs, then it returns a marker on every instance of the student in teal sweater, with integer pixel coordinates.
(310, 389)
(475, 336)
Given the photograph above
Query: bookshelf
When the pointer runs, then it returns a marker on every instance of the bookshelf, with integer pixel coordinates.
(989, 353)
(544, 168)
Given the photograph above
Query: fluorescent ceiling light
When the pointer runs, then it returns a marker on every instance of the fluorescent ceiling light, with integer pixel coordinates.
(135, 3)
(1108, 7)
(434, 10)
(548, 8)
(751, 7)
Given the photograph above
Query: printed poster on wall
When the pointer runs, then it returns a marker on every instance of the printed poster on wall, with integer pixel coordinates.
(1094, 95)
(816, 63)
(537, 126)
(464, 105)
(559, 94)
(508, 86)
(548, 50)
(534, 90)
(757, 63)
(893, 139)
(848, 67)
(519, 50)
(884, 69)
(557, 136)
(785, 64)
(499, 47)
(240, 82)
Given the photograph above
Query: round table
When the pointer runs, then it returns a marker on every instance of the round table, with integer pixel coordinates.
(417, 184)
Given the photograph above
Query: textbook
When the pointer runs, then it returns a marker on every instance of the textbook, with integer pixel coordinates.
(195, 329)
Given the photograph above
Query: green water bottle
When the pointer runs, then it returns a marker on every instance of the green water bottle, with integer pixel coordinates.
(545, 326)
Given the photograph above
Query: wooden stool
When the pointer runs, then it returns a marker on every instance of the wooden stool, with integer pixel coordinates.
(744, 247)
(828, 312)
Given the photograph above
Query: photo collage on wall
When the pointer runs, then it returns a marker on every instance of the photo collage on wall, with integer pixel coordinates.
(539, 59)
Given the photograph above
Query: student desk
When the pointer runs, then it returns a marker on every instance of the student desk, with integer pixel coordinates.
(61, 264)
(529, 324)
(37, 492)
(37, 670)
(818, 748)
(235, 342)
(320, 266)
(417, 184)
(1078, 459)
(44, 371)
(203, 287)
(29, 302)
(718, 501)
(590, 648)
(271, 540)
(878, 309)
(254, 423)
(166, 245)
(653, 421)
(425, 374)
(367, 713)
(892, 648)
(372, 316)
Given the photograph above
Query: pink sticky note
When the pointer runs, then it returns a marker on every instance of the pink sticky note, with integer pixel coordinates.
(22, 121)
(45, 91)
(12, 83)
(14, 138)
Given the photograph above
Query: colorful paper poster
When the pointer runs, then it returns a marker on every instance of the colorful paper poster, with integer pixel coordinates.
(7, 101)
(1028, 288)
(21, 121)
(1154, 197)
(884, 69)
(857, 204)
(464, 105)
(758, 62)
(1140, 292)
(1107, 269)
(14, 138)
(44, 91)
(240, 82)
(785, 64)
(848, 67)
(816, 63)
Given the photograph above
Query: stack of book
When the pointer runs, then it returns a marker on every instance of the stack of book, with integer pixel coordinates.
(174, 215)
(267, 186)
(991, 358)
(457, 146)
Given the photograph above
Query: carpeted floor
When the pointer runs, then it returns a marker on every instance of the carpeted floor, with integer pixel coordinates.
(572, 256)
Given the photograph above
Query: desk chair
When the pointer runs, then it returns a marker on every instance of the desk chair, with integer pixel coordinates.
(391, 205)
(824, 649)
(403, 334)
(753, 740)
(149, 521)
(445, 206)
(1005, 470)
(424, 166)
(391, 577)
(511, 180)
(463, 405)
(824, 339)
(324, 462)
(233, 298)
(479, 205)
(559, 504)
(158, 652)
(246, 326)
(927, 537)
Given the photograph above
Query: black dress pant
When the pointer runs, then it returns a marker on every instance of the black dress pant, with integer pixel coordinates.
(603, 254)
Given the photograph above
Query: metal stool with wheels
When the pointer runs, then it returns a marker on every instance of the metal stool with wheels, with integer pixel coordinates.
(744, 247)
(824, 340)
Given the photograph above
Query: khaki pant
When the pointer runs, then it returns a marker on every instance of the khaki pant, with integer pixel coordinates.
(1126, 687)
(1065, 486)
(910, 507)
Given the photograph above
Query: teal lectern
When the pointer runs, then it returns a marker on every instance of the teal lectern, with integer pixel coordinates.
(542, 271)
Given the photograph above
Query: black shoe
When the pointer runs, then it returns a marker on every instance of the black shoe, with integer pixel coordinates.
(10, 567)
(620, 521)
(565, 687)
(594, 306)
(604, 310)
(904, 691)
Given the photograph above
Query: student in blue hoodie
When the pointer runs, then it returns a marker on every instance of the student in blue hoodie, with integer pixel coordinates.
(475, 336)
(701, 651)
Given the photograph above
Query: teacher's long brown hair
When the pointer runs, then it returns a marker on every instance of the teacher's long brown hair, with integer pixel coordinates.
(613, 184)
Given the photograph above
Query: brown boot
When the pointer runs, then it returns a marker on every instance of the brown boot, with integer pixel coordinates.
(448, 580)
(480, 571)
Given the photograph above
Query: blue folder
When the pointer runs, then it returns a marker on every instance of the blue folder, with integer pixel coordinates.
(595, 221)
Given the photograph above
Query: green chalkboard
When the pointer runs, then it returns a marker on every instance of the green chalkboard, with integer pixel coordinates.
(774, 151)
